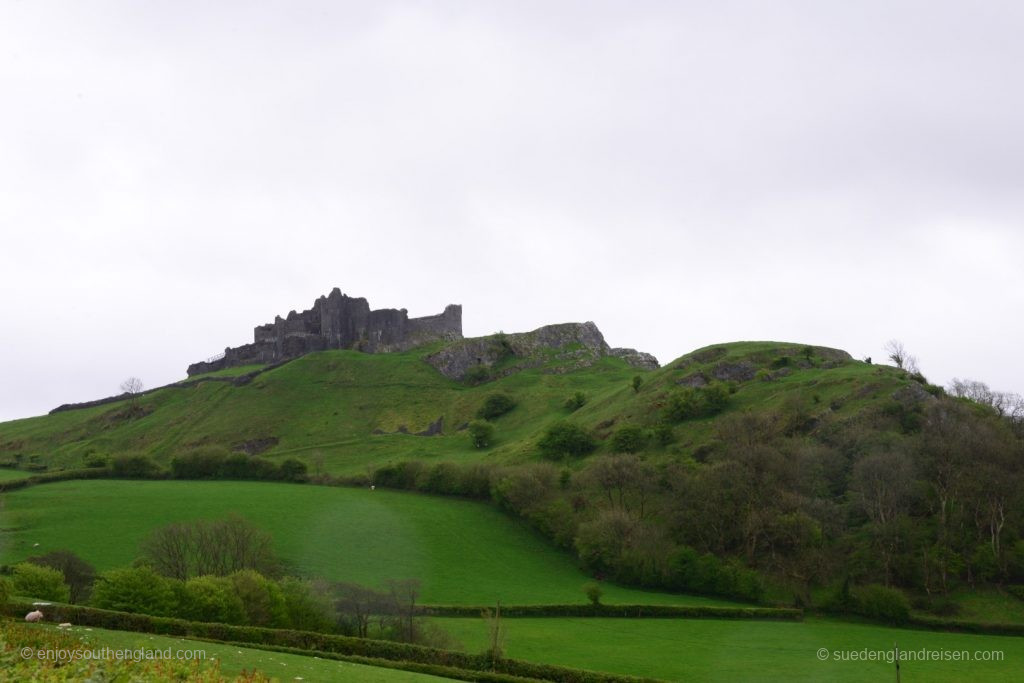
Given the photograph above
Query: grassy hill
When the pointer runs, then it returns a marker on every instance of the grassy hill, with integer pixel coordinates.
(343, 410)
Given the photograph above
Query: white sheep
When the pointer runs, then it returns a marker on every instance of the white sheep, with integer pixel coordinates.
(66, 625)
(34, 616)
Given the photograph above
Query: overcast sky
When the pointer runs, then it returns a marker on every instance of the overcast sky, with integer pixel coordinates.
(681, 173)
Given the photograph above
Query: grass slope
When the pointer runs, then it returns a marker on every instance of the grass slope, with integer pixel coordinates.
(709, 650)
(464, 552)
(326, 407)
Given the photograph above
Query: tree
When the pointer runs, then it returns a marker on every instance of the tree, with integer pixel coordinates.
(402, 596)
(78, 574)
(896, 352)
(132, 386)
(593, 592)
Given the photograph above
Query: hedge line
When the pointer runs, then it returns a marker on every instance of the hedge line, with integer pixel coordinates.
(63, 475)
(619, 611)
(943, 624)
(307, 641)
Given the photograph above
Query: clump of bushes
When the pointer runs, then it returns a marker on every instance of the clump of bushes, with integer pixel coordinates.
(135, 466)
(218, 463)
(566, 440)
(693, 402)
(495, 406)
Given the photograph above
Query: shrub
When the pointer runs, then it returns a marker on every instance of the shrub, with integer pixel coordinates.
(292, 469)
(629, 439)
(637, 383)
(593, 592)
(575, 402)
(42, 583)
(885, 604)
(495, 406)
(481, 433)
(565, 439)
(135, 467)
(5, 590)
(201, 463)
(664, 434)
(140, 590)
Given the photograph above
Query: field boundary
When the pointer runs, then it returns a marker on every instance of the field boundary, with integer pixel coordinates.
(314, 643)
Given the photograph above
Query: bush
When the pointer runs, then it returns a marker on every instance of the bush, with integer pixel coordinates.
(638, 382)
(664, 434)
(884, 604)
(140, 590)
(629, 439)
(96, 460)
(135, 467)
(5, 590)
(41, 583)
(495, 406)
(576, 401)
(566, 440)
(481, 433)
(307, 606)
(593, 592)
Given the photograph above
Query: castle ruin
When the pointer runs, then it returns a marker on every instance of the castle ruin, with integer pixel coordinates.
(337, 321)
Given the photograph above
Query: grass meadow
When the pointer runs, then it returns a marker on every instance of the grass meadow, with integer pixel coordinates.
(464, 552)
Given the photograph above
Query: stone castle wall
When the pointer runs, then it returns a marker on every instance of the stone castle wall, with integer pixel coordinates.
(337, 321)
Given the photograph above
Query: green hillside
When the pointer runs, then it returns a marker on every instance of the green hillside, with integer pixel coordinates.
(345, 408)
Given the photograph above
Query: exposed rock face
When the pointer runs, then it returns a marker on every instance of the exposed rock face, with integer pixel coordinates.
(563, 347)
(638, 359)
(337, 321)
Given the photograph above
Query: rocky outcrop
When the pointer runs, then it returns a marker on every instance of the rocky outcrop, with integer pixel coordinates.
(559, 348)
(337, 321)
(638, 359)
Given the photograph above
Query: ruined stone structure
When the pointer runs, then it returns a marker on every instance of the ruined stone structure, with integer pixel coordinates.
(337, 321)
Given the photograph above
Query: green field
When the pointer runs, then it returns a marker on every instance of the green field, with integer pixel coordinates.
(233, 660)
(730, 650)
(463, 552)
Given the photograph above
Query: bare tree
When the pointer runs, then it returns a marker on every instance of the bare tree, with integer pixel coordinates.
(218, 547)
(132, 386)
(897, 352)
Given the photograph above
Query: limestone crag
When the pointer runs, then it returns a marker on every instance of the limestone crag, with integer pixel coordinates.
(559, 348)
(337, 321)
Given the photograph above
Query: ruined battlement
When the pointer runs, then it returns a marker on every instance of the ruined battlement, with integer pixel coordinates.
(338, 321)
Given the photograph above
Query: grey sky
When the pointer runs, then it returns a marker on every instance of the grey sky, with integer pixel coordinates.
(174, 173)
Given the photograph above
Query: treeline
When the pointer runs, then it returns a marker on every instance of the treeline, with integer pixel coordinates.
(225, 571)
(922, 493)
(206, 462)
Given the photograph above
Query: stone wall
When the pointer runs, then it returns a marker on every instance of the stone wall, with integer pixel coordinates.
(337, 321)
